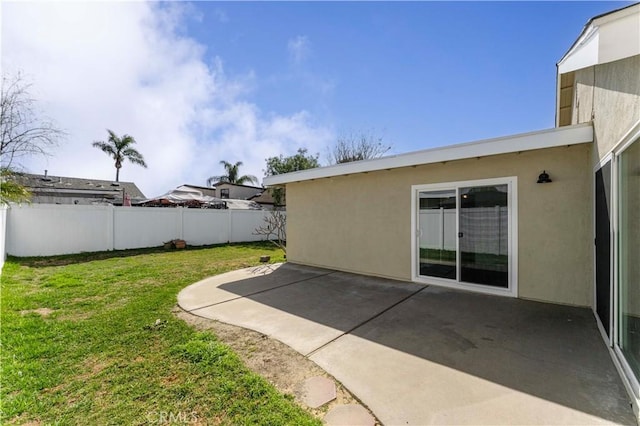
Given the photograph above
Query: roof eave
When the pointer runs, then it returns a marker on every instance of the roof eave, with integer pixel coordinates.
(549, 138)
(591, 30)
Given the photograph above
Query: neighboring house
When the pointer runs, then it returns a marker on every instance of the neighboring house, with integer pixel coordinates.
(205, 190)
(265, 199)
(226, 190)
(48, 189)
(184, 196)
(193, 196)
(515, 216)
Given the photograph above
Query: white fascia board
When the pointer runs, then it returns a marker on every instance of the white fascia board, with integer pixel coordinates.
(607, 38)
(624, 12)
(562, 136)
(584, 52)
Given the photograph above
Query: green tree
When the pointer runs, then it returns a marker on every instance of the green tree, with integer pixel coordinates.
(232, 175)
(10, 190)
(279, 165)
(120, 149)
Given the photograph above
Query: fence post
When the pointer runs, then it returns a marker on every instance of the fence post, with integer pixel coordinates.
(3, 235)
(496, 211)
(441, 233)
(181, 223)
(111, 228)
(229, 226)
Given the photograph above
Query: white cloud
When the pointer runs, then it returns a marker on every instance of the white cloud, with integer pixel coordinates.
(299, 49)
(126, 67)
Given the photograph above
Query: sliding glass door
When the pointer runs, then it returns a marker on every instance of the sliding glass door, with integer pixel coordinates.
(464, 234)
(437, 242)
(628, 262)
(484, 235)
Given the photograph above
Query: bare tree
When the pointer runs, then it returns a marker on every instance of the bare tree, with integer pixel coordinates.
(274, 229)
(23, 132)
(356, 147)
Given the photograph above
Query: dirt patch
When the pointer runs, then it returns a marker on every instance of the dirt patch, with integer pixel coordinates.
(45, 312)
(30, 423)
(282, 366)
(92, 367)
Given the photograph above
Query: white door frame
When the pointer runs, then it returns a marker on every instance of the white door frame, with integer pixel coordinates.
(512, 209)
(608, 339)
(629, 379)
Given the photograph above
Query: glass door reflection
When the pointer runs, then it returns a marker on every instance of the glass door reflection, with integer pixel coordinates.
(437, 239)
(484, 235)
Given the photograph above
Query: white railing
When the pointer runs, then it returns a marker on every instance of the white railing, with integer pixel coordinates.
(49, 229)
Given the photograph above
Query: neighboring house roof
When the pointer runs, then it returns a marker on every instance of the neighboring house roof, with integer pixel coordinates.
(264, 197)
(236, 191)
(182, 195)
(63, 185)
(222, 183)
(563, 136)
(206, 190)
(190, 196)
(605, 38)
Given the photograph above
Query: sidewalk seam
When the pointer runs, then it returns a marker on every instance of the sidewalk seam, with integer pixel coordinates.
(366, 321)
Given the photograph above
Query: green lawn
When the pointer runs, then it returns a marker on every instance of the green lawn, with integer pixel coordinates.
(101, 357)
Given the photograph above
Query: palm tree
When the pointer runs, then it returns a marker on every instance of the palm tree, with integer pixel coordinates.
(233, 175)
(120, 149)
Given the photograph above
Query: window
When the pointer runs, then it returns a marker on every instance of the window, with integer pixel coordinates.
(224, 193)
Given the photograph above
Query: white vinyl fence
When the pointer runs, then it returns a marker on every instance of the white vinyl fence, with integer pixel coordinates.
(486, 229)
(3, 235)
(438, 229)
(49, 229)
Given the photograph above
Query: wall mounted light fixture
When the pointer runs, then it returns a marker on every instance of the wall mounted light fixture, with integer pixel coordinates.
(544, 177)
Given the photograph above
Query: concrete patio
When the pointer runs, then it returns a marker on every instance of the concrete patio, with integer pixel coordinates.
(417, 354)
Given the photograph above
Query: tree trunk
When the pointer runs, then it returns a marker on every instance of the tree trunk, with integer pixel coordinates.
(118, 166)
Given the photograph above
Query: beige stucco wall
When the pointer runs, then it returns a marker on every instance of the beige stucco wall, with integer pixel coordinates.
(608, 94)
(362, 223)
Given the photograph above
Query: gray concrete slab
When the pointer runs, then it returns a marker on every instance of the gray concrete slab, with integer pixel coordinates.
(309, 313)
(417, 355)
(302, 335)
(243, 282)
(349, 415)
(453, 357)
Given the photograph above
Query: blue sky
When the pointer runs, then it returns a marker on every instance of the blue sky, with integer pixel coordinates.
(421, 73)
(201, 82)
